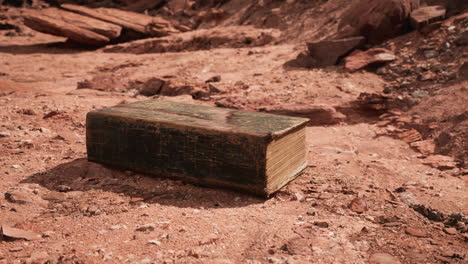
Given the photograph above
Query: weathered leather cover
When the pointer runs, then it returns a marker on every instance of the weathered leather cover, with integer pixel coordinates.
(200, 144)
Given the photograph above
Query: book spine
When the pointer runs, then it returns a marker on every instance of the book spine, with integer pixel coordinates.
(205, 157)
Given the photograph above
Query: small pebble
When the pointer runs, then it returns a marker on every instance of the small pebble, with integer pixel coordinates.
(154, 242)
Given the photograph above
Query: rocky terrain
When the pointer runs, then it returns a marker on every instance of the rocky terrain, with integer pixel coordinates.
(387, 142)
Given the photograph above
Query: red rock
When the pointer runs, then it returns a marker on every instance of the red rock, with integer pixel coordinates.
(450, 231)
(426, 15)
(16, 233)
(317, 113)
(440, 162)
(360, 59)
(298, 246)
(358, 205)
(321, 224)
(149, 87)
(377, 20)
(426, 147)
(203, 39)
(415, 232)
(140, 23)
(327, 52)
(57, 27)
(108, 30)
(409, 136)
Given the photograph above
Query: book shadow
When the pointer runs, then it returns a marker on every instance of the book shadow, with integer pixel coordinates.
(80, 175)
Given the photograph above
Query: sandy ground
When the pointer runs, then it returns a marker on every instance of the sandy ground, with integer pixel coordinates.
(87, 213)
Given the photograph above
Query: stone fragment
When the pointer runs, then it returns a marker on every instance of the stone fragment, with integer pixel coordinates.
(154, 242)
(319, 114)
(426, 15)
(298, 246)
(150, 87)
(426, 147)
(146, 228)
(409, 136)
(92, 210)
(48, 234)
(321, 224)
(302, 60)
(440, 162)
(361, 59)
(450, 231)
(216, 78)
(328, 52)
(358, 205)
(415, 232)
(64, 188)
(7, 232)
(51, 114)
(19, 196)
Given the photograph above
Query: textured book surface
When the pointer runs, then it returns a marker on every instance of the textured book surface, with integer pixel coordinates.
(254, 152)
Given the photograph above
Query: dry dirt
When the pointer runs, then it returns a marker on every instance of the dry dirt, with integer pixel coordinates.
(366, 197)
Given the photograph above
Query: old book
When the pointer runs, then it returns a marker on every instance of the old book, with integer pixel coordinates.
(253, 152)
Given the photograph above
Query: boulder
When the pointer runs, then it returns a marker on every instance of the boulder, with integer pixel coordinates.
(328, 52)
(377, 20)
(426, 15)
(361, 59)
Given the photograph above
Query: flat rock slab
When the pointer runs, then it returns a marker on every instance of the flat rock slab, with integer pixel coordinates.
(97, 27)
(361, 59)
(227, 37)
(327, 52)
(427, 15)
(140, 23)
(58, 27)
(108, 30)
(8, 232)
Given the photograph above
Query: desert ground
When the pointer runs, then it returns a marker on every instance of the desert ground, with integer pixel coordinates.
(386, 180)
